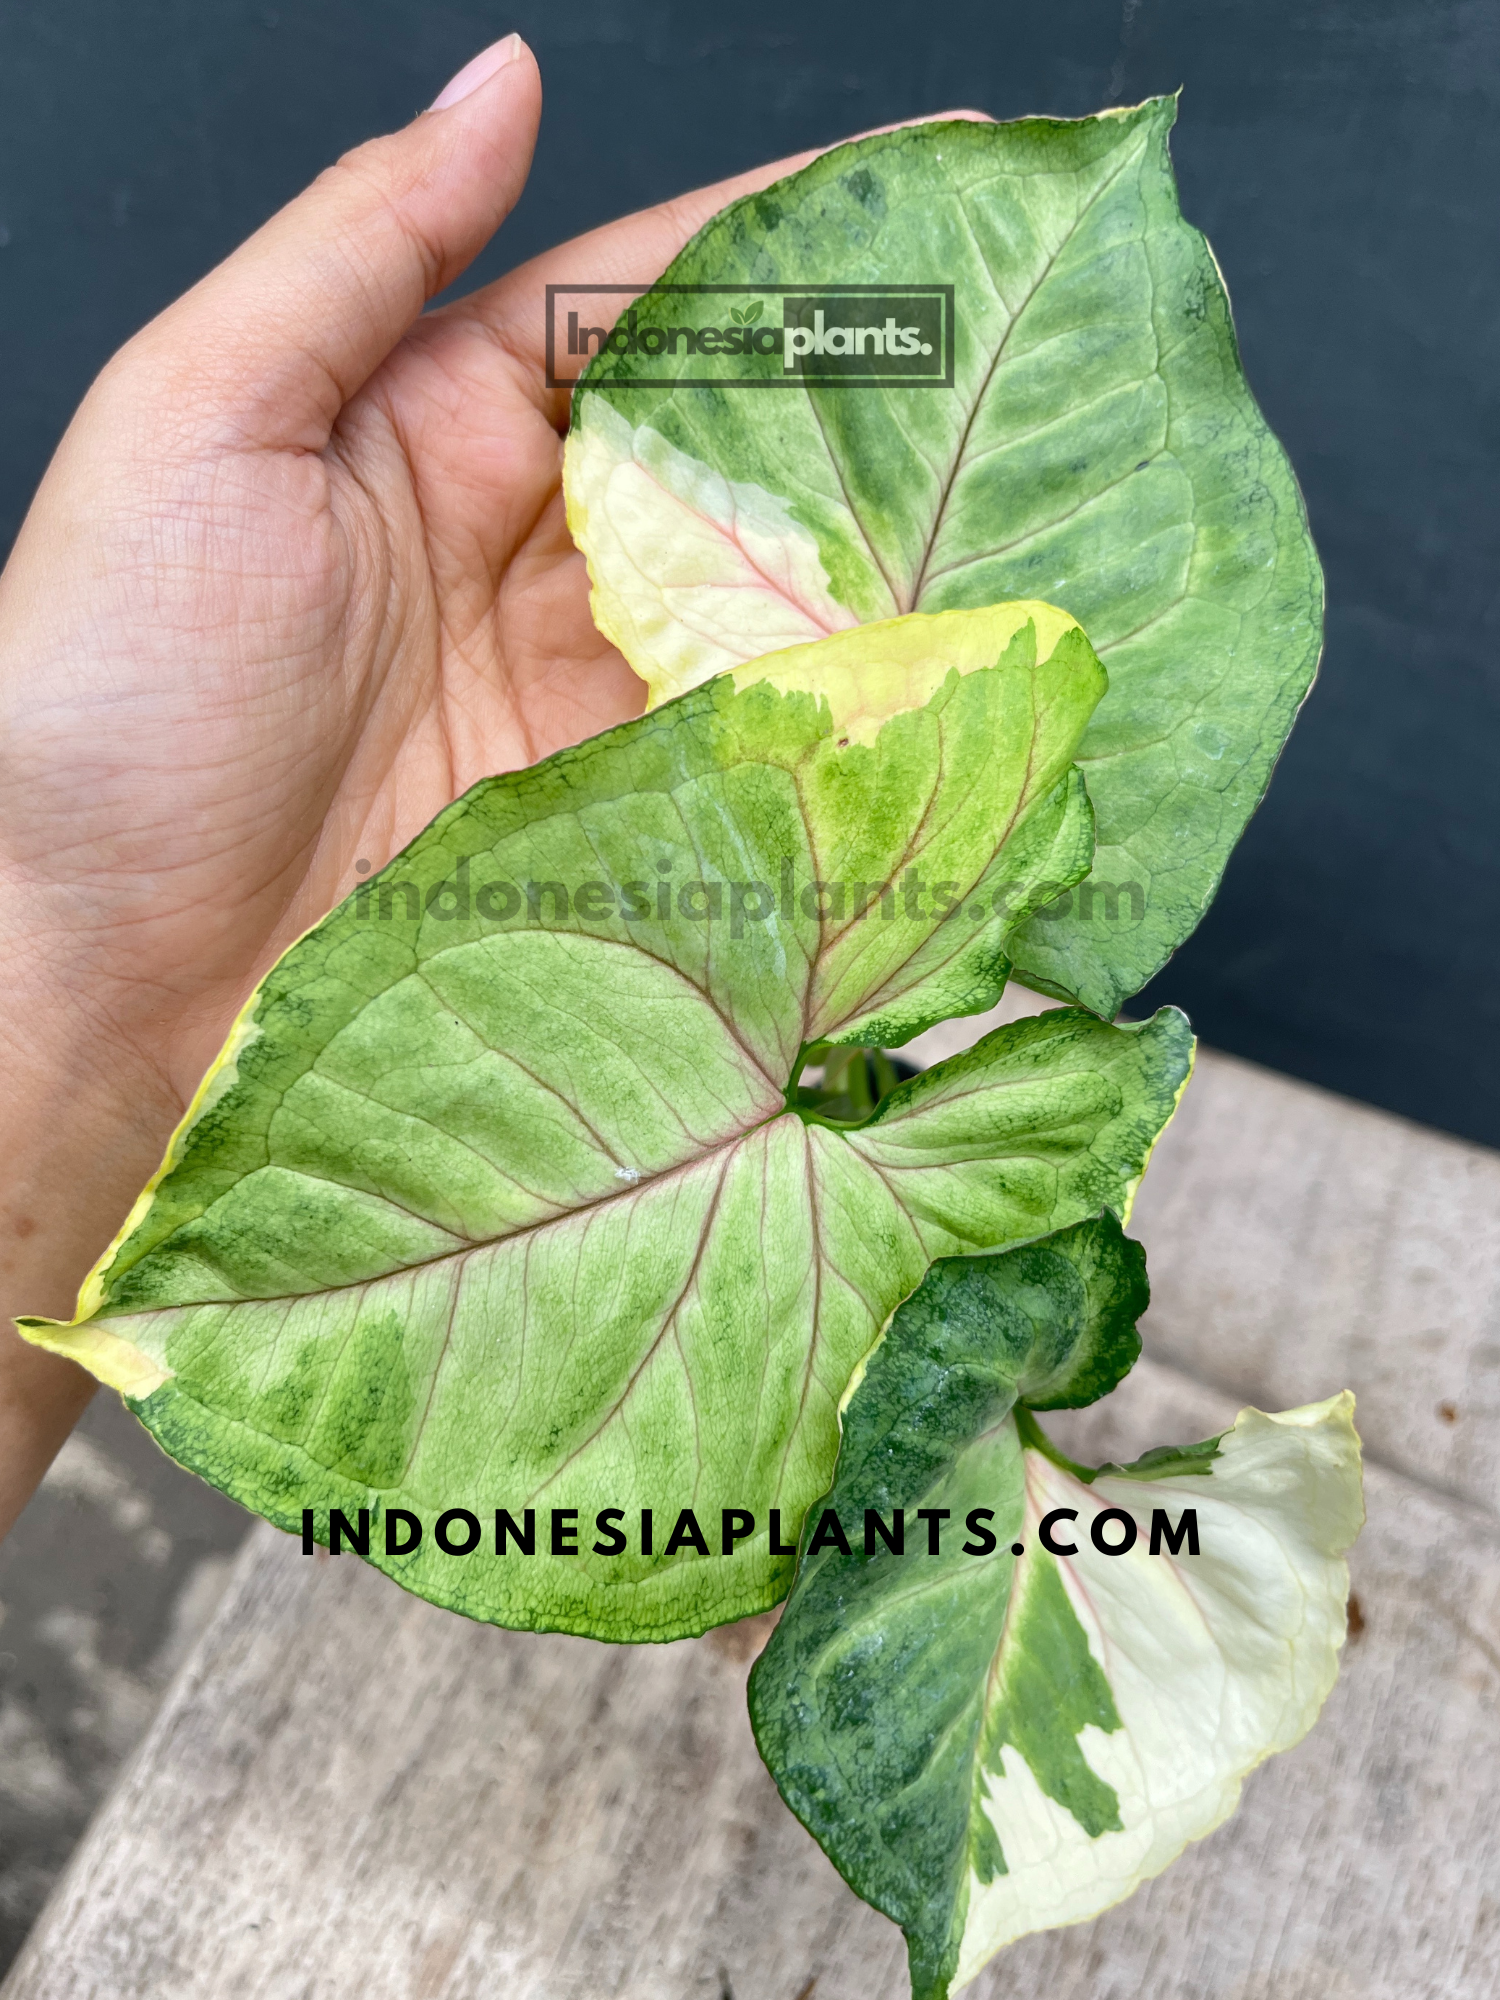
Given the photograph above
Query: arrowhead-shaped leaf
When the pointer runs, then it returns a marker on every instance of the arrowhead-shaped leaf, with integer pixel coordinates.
(495, 1198)
(1100, 449)
(988, 1744)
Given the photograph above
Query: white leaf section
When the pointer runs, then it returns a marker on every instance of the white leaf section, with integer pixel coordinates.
(1214, 1661)
(692, 573)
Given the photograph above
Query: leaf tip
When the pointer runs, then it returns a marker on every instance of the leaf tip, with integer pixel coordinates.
(118, 1363)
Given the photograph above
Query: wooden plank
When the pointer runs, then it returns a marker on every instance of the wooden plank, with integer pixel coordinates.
(1301, 1243)
(350, 1793)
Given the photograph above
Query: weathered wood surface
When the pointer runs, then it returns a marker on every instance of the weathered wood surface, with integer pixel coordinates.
(1300, 1243)
(349, 1795)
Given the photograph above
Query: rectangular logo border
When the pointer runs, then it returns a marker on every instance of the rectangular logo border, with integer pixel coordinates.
(796, 381)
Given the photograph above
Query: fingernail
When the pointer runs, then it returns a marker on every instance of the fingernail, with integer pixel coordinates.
(485, 65)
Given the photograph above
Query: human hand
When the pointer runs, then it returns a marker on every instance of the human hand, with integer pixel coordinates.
(297, 577)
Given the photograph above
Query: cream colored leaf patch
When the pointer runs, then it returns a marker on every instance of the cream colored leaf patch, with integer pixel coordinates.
(692, 572)
(875, 671)
(1214, 1661)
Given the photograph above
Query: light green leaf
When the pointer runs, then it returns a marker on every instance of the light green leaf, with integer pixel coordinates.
(496, 1197)
(986, 1744)
(1100, 450)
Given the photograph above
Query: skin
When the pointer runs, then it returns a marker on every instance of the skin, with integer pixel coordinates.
(297, 577)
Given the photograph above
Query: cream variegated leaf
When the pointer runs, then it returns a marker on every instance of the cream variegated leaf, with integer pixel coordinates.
(502, 1194)
(1099, 449)
(988, 1743)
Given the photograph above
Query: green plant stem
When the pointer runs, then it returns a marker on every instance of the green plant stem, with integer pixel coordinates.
(1033, 1436)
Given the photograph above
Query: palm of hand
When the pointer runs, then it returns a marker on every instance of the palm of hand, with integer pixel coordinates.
(313, 618)
(340, 643)
(441, 627)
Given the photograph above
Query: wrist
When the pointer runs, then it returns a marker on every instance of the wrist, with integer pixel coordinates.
(83, 1122)
(41, 1398)
(86, 1109)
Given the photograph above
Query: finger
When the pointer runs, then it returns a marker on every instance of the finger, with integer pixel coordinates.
(631, 252)
(268, 348)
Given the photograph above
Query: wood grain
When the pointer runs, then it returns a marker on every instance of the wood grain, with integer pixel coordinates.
(1300, 1243)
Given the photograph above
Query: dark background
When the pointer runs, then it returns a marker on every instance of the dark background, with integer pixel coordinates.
(1344, 158)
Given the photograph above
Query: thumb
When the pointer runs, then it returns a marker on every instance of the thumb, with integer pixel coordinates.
(266, 350)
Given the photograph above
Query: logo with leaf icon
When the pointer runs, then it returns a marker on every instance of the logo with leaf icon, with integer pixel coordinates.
(746, 315)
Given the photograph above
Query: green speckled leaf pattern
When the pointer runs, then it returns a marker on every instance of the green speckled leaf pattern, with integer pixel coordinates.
(1100, 450)
(496, 1198)
(987, 1743)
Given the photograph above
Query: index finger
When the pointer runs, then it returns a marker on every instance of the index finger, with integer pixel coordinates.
(631, 253)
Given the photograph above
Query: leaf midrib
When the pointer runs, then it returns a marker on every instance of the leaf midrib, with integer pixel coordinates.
(955, 469)
(710, 1154)
(754, 1068)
